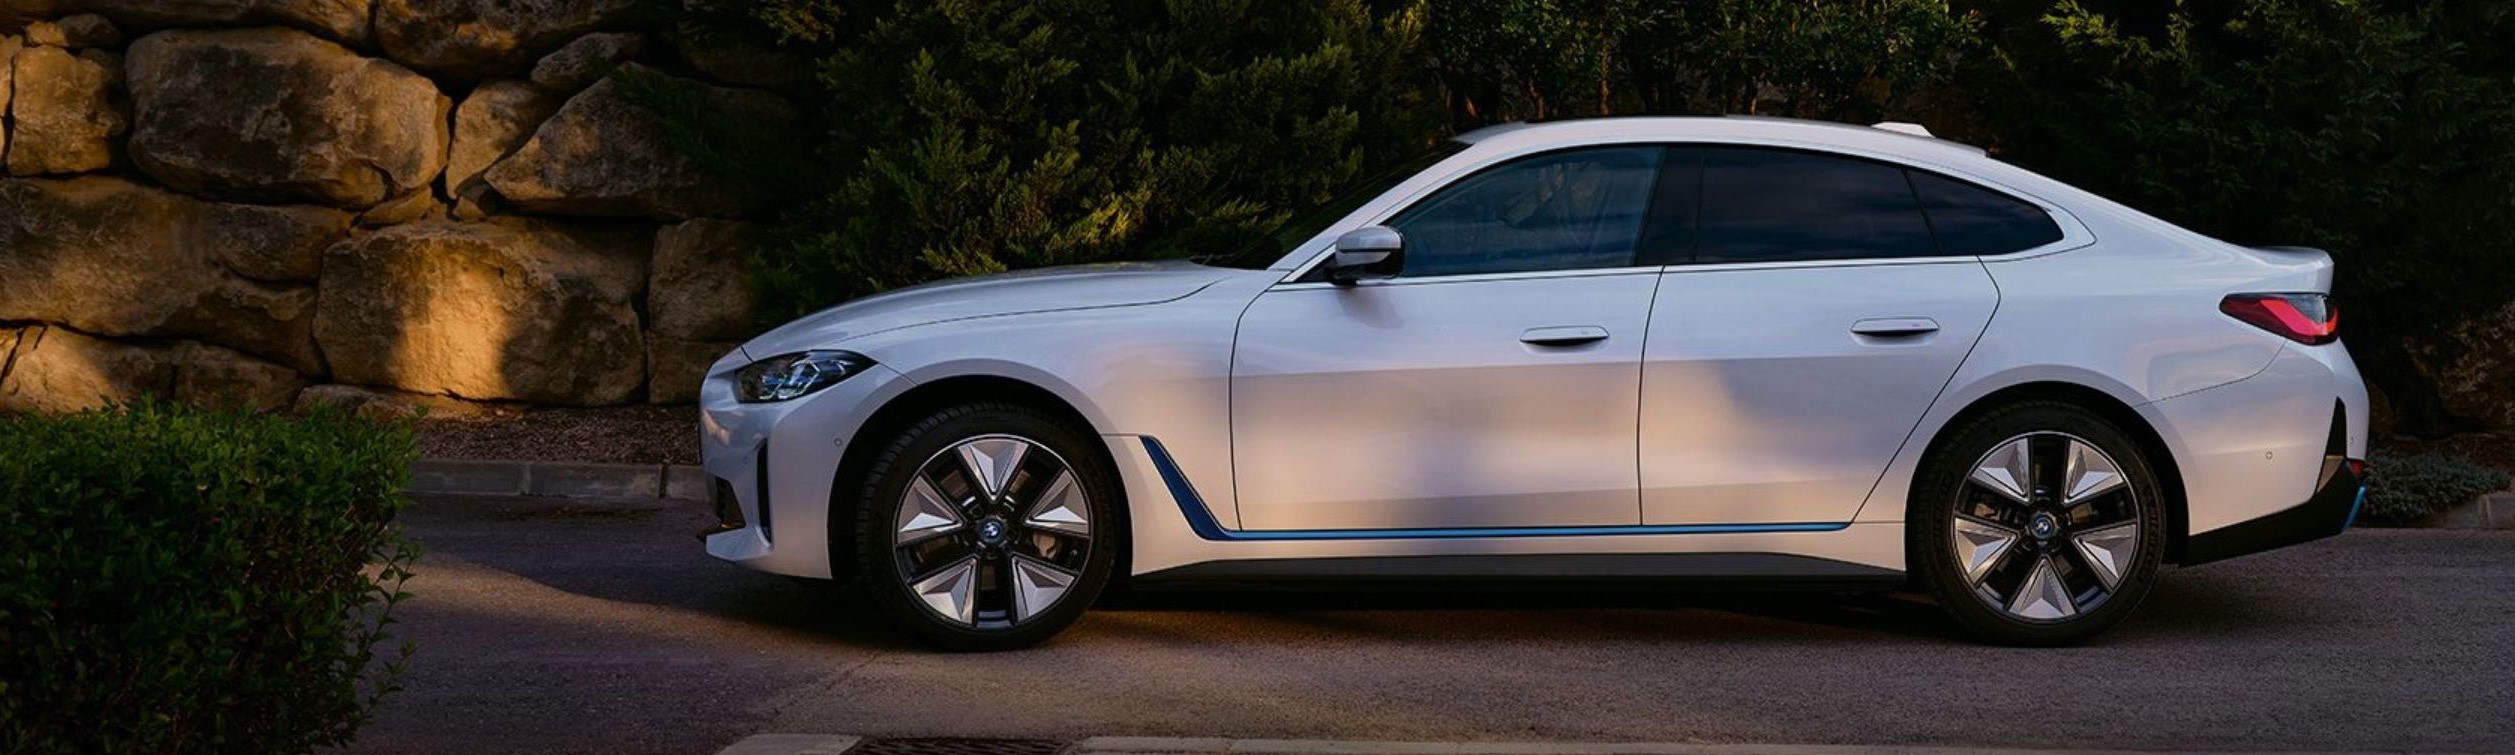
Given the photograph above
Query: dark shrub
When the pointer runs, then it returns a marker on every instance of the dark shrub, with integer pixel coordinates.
(978, 136)
(2407, 488)
(2378, 130)
(176, 580)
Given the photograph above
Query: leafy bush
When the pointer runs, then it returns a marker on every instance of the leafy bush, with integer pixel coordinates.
(983, 135)
(2379, 130)
(2407, 488)
(176, 580)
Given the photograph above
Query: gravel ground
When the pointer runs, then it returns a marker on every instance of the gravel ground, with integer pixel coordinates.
(621, 434)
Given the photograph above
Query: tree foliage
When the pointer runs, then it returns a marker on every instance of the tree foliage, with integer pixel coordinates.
(2374, 130)
(969, 136)
(984, 135)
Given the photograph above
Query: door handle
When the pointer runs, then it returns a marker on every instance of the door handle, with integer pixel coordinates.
(1895, 327)
(1572, 335)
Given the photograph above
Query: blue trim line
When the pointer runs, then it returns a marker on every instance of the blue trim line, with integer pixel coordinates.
(2354, 505)
(1201, 520)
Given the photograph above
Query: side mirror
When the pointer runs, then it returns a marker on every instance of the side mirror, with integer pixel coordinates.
(1369, 252)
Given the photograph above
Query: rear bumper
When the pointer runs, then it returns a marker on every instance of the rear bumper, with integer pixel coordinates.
(2331, 511)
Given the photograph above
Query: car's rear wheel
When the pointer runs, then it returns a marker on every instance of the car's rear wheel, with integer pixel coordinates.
(2039, 523)
(988, 527)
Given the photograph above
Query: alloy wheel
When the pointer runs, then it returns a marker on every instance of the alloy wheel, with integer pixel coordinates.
(992, 532)
(2046, 527)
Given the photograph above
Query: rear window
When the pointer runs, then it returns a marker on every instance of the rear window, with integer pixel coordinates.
(1970, 219)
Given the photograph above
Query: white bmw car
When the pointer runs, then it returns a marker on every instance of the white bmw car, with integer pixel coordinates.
(1642, 348)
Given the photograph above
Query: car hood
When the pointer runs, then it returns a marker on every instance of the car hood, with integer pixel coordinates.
(1115, 284)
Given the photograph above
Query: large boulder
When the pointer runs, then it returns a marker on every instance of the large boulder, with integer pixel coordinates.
(497, 311)
(277, 115)
(51, 369)
(109, 257)
(492, 121)
(588, 58)
(674, 367)
(387, 404)
(77, 32)
(344, 20)
(480, 38)
(64, 113)
(606, 153)
(701, 289)
(270, 243)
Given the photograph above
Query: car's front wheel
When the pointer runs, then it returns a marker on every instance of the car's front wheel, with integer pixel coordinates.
(988, 527)
(2039, 523)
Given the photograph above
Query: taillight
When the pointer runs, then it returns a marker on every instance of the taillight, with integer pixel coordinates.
(2304, 318)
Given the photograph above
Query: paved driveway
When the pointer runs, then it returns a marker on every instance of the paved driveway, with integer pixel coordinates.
(547, 629)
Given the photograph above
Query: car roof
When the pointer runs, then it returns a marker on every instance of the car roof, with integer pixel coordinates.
(1742, 128)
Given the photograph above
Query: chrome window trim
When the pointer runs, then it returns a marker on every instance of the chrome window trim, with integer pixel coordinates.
(1313, 253)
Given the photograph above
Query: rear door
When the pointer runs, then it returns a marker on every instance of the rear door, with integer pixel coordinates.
(1814, 318)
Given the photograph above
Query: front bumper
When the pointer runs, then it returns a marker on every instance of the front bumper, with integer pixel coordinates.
(2333, 508)
(773, 465)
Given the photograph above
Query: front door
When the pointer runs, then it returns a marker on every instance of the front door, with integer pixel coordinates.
(1493, 383)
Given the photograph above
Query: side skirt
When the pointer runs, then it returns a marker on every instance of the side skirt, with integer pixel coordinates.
(1762, 570)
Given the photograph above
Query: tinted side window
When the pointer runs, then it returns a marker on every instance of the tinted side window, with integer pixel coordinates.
(1769, 205)
(1970, 219)
(1557, 211)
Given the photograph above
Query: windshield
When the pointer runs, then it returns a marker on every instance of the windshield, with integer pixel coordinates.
(1287, 236)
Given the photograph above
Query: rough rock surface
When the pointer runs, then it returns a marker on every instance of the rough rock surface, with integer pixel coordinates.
(51, 369)
(344, 20)
(273, 244)
(530, 312)
(606, 154)
(79, 31)
(586, 59)
(64, 115)
(381, 403)
(701, 289)
(113, 258)
(476, 38)
(495, 119)
(675, 367)
(9, 48)
(415, 206)
(280, 115)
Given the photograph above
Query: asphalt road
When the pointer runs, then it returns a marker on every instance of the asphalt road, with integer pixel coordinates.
(548, 629)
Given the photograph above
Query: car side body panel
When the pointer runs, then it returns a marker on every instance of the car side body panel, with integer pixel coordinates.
(2125, 306)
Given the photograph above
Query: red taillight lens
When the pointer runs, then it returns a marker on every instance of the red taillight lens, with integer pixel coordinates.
(2304, 318)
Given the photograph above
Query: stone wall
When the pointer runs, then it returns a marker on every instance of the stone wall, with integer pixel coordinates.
(418, 201)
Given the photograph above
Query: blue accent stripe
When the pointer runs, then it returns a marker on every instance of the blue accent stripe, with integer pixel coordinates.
(1201, 520)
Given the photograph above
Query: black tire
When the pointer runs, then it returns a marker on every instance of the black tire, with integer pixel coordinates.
(2080, 572)
(883, 563)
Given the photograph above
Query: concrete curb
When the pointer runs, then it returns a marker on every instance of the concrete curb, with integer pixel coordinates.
(791, 744)
(1210, 746)
(559, 479)
(2494, 511)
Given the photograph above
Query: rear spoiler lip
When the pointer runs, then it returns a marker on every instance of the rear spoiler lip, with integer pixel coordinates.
(2293, 249)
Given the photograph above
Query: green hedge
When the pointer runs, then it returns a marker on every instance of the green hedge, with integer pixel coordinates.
(972, 136)
(2407, 488)
(177, 580)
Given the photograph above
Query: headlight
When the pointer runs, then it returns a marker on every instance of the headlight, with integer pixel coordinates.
(780, 378)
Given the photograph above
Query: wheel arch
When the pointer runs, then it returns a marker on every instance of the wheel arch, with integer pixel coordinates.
(2152, 445)
(927, 397)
